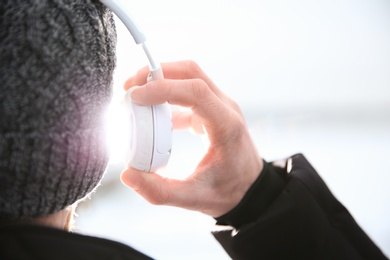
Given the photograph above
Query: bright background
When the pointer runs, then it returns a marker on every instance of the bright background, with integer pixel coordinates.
(310, 76)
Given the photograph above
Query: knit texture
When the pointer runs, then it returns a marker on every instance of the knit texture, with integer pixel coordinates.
(56, 65)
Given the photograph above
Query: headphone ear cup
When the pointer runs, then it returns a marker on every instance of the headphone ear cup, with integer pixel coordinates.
(140, 150)
(162, 136)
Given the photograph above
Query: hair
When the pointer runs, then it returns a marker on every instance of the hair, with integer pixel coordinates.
(57, 59)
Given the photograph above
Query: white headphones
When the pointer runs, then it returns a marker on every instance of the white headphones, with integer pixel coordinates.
(151, 141)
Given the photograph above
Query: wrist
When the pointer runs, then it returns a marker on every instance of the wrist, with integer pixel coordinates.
(231, 192)
(264, 190)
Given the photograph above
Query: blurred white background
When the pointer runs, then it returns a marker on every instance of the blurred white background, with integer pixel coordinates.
(310, 76)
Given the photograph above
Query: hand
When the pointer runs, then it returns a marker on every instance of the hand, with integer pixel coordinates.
(231, 163)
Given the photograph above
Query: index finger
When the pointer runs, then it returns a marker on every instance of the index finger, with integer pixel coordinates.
(215, 115)
(174, 70)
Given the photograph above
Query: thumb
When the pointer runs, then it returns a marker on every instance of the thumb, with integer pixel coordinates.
(155, 188)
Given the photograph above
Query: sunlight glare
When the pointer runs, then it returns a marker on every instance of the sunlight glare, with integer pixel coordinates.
(118, 132)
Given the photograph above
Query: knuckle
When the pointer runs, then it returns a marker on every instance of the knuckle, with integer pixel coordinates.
(235, 106)
(232, 133)
(200, 89)
(192, 68)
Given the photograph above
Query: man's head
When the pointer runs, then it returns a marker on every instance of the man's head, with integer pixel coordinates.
(56, 65)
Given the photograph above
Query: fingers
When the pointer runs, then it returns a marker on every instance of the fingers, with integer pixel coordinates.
(215, 115)
(157, 189)
(139, 79)
(150, 186)
(171, 70)
(180, 71)
(174, 70)
(181, 119)
(187, 119)
(175, 92)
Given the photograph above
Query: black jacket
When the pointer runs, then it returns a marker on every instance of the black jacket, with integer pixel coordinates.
(288, 213)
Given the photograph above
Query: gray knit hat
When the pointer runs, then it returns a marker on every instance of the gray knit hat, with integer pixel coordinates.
(56, 65)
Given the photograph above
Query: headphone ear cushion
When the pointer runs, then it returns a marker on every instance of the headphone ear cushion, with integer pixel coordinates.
(140, 152)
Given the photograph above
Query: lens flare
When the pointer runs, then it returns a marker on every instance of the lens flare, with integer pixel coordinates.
(118, 123)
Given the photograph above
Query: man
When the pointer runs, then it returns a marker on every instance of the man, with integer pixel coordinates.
(57, 60)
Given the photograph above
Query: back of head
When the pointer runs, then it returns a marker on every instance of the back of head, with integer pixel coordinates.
(56, 66)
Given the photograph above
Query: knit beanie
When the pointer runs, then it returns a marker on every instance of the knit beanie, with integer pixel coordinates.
(57, 59)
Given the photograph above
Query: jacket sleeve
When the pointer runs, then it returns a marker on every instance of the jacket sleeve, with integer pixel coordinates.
(289, 213)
